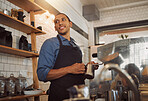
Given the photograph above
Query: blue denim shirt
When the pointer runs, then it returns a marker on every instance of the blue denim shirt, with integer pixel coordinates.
(48, 55)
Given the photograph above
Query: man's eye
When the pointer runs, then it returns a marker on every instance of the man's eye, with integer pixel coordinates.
(63, 19)
(56, 21)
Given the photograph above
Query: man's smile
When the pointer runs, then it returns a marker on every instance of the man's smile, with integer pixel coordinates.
(61, 28)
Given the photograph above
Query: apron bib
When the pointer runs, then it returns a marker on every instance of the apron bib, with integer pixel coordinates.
(67, 56)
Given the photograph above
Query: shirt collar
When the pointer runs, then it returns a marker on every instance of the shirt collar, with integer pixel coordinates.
(64, 39)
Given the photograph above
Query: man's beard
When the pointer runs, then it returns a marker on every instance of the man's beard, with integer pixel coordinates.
(63, 33)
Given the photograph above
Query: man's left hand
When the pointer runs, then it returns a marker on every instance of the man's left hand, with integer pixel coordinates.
(96, 65)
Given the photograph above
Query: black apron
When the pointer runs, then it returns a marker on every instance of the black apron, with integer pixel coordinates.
(67, 56)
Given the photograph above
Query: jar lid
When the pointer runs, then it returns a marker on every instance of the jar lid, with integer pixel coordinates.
(21, 77)
(2, 76)
(11, 77)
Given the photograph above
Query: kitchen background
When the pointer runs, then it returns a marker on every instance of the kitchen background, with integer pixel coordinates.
(73, 8)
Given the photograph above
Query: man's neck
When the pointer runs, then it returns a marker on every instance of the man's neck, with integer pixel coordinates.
(66, 36)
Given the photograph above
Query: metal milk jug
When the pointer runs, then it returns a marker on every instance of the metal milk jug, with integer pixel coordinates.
(89, 71)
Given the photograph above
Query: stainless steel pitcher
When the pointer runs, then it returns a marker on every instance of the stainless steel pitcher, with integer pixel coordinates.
(89, 71)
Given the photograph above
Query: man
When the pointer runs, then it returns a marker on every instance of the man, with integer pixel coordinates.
(60, 61)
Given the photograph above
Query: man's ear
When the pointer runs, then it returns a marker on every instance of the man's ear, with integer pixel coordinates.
(70, 24)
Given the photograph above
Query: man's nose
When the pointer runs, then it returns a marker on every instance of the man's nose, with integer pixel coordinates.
(60, 23)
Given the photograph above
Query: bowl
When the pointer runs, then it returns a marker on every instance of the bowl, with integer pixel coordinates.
(33, 92)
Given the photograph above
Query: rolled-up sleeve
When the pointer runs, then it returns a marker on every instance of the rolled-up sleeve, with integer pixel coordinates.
(47, 58)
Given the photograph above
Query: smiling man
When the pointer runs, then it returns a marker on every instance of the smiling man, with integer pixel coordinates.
(60, 61)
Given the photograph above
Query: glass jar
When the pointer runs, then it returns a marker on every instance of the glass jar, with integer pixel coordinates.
(10, 85)
(20, 84)
(2, 85)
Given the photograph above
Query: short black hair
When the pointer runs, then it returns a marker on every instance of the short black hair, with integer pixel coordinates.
(65, 15)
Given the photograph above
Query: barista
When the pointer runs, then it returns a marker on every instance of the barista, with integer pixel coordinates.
(60, 61)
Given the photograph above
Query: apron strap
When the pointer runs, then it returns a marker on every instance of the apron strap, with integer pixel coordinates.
(59, 40)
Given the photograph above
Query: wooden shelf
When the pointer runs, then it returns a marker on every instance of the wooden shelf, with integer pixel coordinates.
(19, 97)
(19, 52)
(18, 25)
(28, 5)
(125, 30)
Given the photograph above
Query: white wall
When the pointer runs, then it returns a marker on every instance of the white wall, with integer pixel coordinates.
(122, 16)
(76, 4)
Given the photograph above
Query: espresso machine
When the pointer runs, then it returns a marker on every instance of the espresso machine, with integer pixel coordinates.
(127, 62)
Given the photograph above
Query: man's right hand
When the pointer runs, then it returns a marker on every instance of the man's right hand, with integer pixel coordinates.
(77, 68)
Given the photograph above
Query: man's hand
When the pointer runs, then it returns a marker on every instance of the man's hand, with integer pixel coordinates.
(77, 68)
(96, 65)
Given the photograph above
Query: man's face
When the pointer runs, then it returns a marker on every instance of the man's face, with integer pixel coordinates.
(62, 24)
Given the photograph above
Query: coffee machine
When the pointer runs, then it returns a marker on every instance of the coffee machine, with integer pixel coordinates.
(127, 62)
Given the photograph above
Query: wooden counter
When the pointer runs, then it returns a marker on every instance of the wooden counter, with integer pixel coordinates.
(20, 97)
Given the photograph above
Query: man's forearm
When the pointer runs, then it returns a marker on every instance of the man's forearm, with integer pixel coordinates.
(77, 68)
(57, 73)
